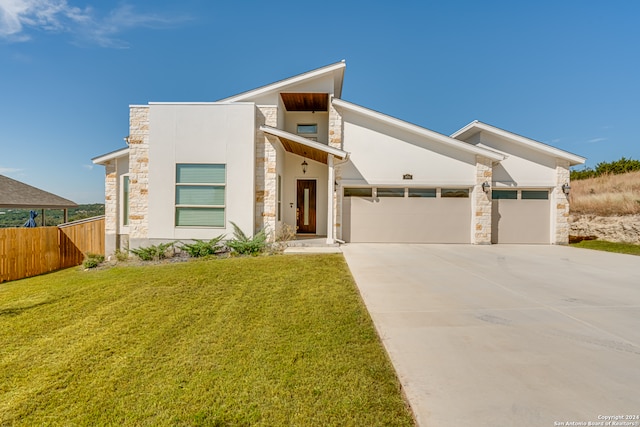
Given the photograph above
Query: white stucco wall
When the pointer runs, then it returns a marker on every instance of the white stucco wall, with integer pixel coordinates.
(523, 166)
(201, 133)
(381, 154)
(295, 118)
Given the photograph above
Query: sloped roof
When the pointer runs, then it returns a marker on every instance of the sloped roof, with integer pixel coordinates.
(304, 147)
(336, 69)
(477, 126)
(104, 158)
(418, 130)
(18, 195)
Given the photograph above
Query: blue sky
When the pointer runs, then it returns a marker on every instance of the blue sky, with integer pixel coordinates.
(563, 72)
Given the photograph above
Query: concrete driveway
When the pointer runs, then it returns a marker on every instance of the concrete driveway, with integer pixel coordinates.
(507, 335)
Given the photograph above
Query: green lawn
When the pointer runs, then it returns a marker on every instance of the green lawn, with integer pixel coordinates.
(281, 340)
(603, 245)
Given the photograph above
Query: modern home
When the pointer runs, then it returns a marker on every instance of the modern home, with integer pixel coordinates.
(295, 153)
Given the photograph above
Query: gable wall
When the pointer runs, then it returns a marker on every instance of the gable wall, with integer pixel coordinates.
(381, 154)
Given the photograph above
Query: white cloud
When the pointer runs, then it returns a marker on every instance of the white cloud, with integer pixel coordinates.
(7, 171)
(19, 17)
(88, 167)
(596, 140)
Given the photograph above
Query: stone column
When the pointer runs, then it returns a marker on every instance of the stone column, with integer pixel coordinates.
(481, 202)
(561, 202)
(110, 208)
(266, 173)
(138, 175)
(336, 132)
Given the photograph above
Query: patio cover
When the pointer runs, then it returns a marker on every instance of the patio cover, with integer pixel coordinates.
(18, 195)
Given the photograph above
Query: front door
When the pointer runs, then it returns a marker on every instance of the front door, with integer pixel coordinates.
(306, 209)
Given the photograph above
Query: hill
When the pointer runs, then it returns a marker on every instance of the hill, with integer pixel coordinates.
(607, 207)
(17, 217)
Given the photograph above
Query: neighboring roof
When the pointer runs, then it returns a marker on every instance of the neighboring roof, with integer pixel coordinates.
(477, 126)
(303, 146)
(418, 130)
(18, 195)
(336, 69)
(104, 158)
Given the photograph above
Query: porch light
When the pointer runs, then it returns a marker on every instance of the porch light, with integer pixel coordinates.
(566, 189)
(304, 166)
(486, 187)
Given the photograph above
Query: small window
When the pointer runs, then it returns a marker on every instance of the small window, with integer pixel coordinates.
(307, 129)
(535, 195)
(125, 200)
(390, 192)
(279, 190)
(504, 194)
(455, 192)
(422, 192)
(357, 192)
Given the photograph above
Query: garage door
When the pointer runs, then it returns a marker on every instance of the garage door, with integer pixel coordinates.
(406, 215)
(520, 216)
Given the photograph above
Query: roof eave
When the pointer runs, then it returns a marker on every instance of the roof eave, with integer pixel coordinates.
(104, 158)
(477, 126)
(305, 141)
(419, 130)
(338, 66)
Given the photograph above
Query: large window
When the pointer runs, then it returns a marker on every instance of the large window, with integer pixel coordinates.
(200, 195)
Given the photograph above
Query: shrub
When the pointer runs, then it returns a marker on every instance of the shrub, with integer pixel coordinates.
(121, 255)
(153, 252)
(202, 248)
(244, 245)
(285, 234)
(92, 260)
(617, 167)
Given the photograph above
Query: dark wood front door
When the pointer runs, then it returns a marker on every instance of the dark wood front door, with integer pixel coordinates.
(306, 212)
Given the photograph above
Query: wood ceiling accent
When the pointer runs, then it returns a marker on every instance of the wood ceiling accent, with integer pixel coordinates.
(301, 150)
(305, 101)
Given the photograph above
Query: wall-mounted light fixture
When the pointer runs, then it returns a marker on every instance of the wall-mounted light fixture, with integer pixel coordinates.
(304, 166)
(486, 186)
(566, 189)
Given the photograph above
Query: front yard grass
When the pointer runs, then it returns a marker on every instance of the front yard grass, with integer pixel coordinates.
(603, 245)
(244, 341)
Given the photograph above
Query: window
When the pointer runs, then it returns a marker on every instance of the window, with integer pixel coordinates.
(422, 192)
(455, 192)
(125, 200)
(357, 192)
(390, 192)
(504, 194)
(200, 195)
(535, 195)
(279, 190)
(309, 131)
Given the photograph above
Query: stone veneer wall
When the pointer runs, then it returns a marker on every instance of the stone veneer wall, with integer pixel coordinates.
(482, 203)
(138, 175)
(562, 203)
(336, 131)
(266, 173)
(110, 207)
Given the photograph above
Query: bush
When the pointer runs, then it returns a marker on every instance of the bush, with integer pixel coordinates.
(121, 255)
(244, 245)
(285, 234)
(617, 167)
(92, 260)
(202, 248)
(153, 252)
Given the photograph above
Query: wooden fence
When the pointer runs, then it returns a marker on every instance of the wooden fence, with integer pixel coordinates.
(26, 252)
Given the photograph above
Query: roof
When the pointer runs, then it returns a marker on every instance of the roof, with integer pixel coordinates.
(336, 69)
(18, 195)
(303, 146)
(104, 158)
(418, 130)
(477, 126)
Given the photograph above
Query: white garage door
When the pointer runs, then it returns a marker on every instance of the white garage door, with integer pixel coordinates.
(406, 215)
(520, 216)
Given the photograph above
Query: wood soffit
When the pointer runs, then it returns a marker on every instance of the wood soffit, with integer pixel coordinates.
(305, 101)
(301, 150)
